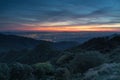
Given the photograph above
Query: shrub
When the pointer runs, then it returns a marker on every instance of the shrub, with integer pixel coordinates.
(65, 59)
(43, 69)
(28, 72)
(104, 72)
(83, 61)
(115, 55)
(62, 74)
(20, 72)
(4, 71)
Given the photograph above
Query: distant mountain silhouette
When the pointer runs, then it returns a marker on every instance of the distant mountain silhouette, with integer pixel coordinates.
(12, 42)
(101, 44)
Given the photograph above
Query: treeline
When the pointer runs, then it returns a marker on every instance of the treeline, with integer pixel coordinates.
(65, 68)
(88, 65)
(18, 71)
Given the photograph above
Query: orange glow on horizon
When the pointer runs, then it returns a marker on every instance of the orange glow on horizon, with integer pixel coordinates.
(71, 28)
(34, 27)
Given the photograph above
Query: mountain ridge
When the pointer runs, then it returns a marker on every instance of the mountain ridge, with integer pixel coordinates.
(101, 44)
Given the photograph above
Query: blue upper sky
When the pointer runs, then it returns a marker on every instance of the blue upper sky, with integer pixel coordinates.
(18, 14)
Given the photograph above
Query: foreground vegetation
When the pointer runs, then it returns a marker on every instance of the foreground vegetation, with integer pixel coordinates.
(88, 65)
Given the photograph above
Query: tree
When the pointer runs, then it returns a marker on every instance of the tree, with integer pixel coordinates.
(4, 71)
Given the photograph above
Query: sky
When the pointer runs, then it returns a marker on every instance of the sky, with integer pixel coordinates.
(60, 15)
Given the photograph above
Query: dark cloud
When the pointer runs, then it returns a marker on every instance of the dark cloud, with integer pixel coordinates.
(79, 12)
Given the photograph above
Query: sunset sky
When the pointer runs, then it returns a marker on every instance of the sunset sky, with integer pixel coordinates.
(60, 15)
